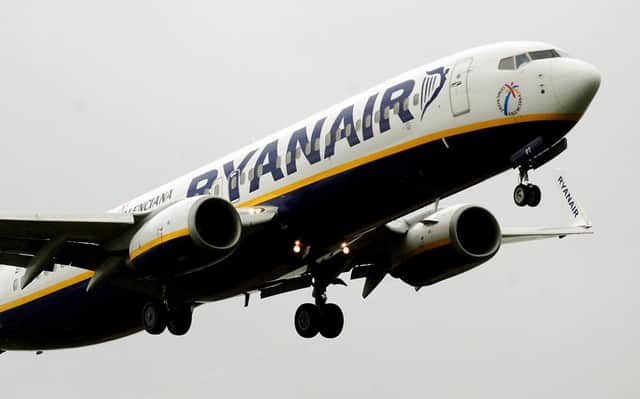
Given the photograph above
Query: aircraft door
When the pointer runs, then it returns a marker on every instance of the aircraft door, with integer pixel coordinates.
(458, 89)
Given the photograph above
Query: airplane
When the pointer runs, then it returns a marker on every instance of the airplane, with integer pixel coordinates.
(353, 189)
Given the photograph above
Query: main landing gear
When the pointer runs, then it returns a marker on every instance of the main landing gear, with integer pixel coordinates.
(526, 193)
(321, 317)
(157, 316)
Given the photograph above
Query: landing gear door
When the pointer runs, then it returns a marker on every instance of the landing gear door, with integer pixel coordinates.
(458, 89)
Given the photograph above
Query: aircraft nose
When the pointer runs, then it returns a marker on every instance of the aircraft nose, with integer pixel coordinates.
(575, 83)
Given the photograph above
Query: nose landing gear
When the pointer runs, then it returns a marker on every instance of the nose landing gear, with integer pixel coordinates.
(525, 193)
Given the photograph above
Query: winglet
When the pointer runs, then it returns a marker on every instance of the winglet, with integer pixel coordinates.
(576, 213)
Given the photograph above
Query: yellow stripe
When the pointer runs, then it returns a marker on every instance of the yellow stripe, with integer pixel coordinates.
(428, 247)
(46, 291)
(407, 146)
(160, 240)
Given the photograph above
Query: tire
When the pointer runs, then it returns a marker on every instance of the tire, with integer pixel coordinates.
(307, 320)
(179, 321)
(332, 320)
(520, 195)
(534, 195)
(154, 318)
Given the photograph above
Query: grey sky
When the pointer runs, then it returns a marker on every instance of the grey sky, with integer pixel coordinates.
(100, 101)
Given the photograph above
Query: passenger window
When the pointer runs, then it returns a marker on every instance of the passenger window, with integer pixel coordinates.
(376, 117)
(506, 64)
(405, 104)
(259, 171)
(416, 98)
(316, 145)
(358, 125)
(242, 177)
(396, 108)
(521, 59)
(15, 284)
(307, 149)
(288, 158)
(298, 153)
(386, 112)
(367, 121)
(216, 190)
(251, 173)
(348, 129)
(278, 162)
(327, 140)
(234, 182)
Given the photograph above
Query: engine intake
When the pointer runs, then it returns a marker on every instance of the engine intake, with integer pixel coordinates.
(214, 223)
(476, 232)
(448, 242)
(189, 235)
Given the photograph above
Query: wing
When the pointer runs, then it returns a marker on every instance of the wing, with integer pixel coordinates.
(366, 250)
(512, 235)
(36, 241)
(76, 227)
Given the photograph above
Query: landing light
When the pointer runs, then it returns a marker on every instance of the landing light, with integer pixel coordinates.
(256, 211)
(297, 247)
(345, 248)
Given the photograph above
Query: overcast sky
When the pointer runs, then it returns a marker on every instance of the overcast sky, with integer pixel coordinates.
(103, 100)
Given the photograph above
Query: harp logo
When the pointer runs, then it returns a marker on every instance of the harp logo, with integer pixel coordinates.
(432, 85)
(509, 99)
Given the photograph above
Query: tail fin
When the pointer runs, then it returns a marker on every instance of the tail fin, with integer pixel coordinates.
(577, 214)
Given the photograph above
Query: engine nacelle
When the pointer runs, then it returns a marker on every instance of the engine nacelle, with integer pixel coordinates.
(449, 242)
(189, 235)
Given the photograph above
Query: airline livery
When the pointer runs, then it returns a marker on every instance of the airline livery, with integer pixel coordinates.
(353, 189)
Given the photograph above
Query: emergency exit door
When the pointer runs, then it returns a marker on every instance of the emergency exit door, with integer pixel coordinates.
(458, 88)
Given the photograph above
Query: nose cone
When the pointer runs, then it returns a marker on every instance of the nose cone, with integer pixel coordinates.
(575, 83)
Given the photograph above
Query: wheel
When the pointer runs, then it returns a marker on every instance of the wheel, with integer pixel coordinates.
(154, 318)
(332, 320)
(307, 320)
(520, 195)
(179, 320)
(534, 195)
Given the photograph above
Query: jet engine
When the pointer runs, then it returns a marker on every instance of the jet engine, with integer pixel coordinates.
(448, 242)
(189, 235)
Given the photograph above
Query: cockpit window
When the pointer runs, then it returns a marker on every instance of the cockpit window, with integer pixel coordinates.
(507, 63)
(542, 54)
(515, 62)
(521, 59)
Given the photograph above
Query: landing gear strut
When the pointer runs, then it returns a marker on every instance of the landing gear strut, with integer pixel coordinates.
(157, 316)
(526, 193)
(321, 317)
